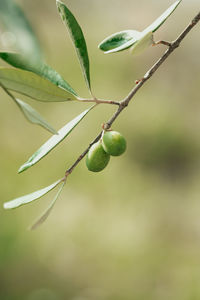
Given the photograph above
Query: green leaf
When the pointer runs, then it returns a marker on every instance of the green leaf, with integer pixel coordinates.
(131, 38)
(33, 116)
(53, 141)
(142, 44)
(120, 41)
(37, 67)
(30, 197)
(14, 20)
(32, 85)
(77, 38)
(158, 22)
(47, 212)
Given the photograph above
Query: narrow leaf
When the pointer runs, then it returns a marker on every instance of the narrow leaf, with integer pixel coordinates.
(120, 41)
(33, 116)
(158, 22)
(30, 197)
(53, 141)
(37, 67)
(142, 44)
(47, 212)
(15, 21)
(32, 85)
(77, 38)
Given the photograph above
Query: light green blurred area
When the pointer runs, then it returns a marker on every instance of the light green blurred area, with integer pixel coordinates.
(131, 232)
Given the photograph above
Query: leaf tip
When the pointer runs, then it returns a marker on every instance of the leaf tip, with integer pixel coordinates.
(100, 46)
(9, 205)
(23, 168)
(5, 205)
(59, 3)
(32, 227)
(52, 130)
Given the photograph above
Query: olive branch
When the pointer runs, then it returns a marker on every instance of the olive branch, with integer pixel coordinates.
(139, 83)
(40, 82)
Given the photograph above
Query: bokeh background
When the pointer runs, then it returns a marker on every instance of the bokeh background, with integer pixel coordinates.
(131, 232)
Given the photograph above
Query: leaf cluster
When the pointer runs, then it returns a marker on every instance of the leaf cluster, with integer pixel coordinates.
(31, 76)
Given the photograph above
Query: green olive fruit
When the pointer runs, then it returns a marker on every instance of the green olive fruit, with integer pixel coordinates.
(97, 159)
(113, 143)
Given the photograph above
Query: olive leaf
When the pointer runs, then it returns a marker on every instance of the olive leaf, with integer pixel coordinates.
(119, 41)
(29, 112)
(15, 22)
(142, 44)
(158, 22)
(47, 211)
(33, 85)
(53, 141)
(30, 197)
(38, 67)
(138, 41)
(77, 38)
(33, 116)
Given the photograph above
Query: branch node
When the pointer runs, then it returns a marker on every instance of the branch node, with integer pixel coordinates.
(67, 173)
(138, 80)
(123, 104)
(105, 126)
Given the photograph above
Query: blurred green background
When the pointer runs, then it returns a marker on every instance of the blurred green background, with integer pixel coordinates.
(131, 232)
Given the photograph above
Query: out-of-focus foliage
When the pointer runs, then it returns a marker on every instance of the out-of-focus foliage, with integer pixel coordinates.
(40, 68)
(132, 231)
(18, 33)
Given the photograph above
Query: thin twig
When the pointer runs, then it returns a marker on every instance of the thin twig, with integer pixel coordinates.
(125, 102)
(162, 42)
(99, 101)
(69, 171)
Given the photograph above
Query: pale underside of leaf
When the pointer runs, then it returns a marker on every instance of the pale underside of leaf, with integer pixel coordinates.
(142, 44)
(33, 116)
(32, 85)
(77, 38)
(15, 22)
(47, 212)
(53, 141)
(30, 197)
(119, 41)
(38, 67)
(158, 22)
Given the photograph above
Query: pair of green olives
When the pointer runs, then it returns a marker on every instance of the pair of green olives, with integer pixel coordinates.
(112, 143)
